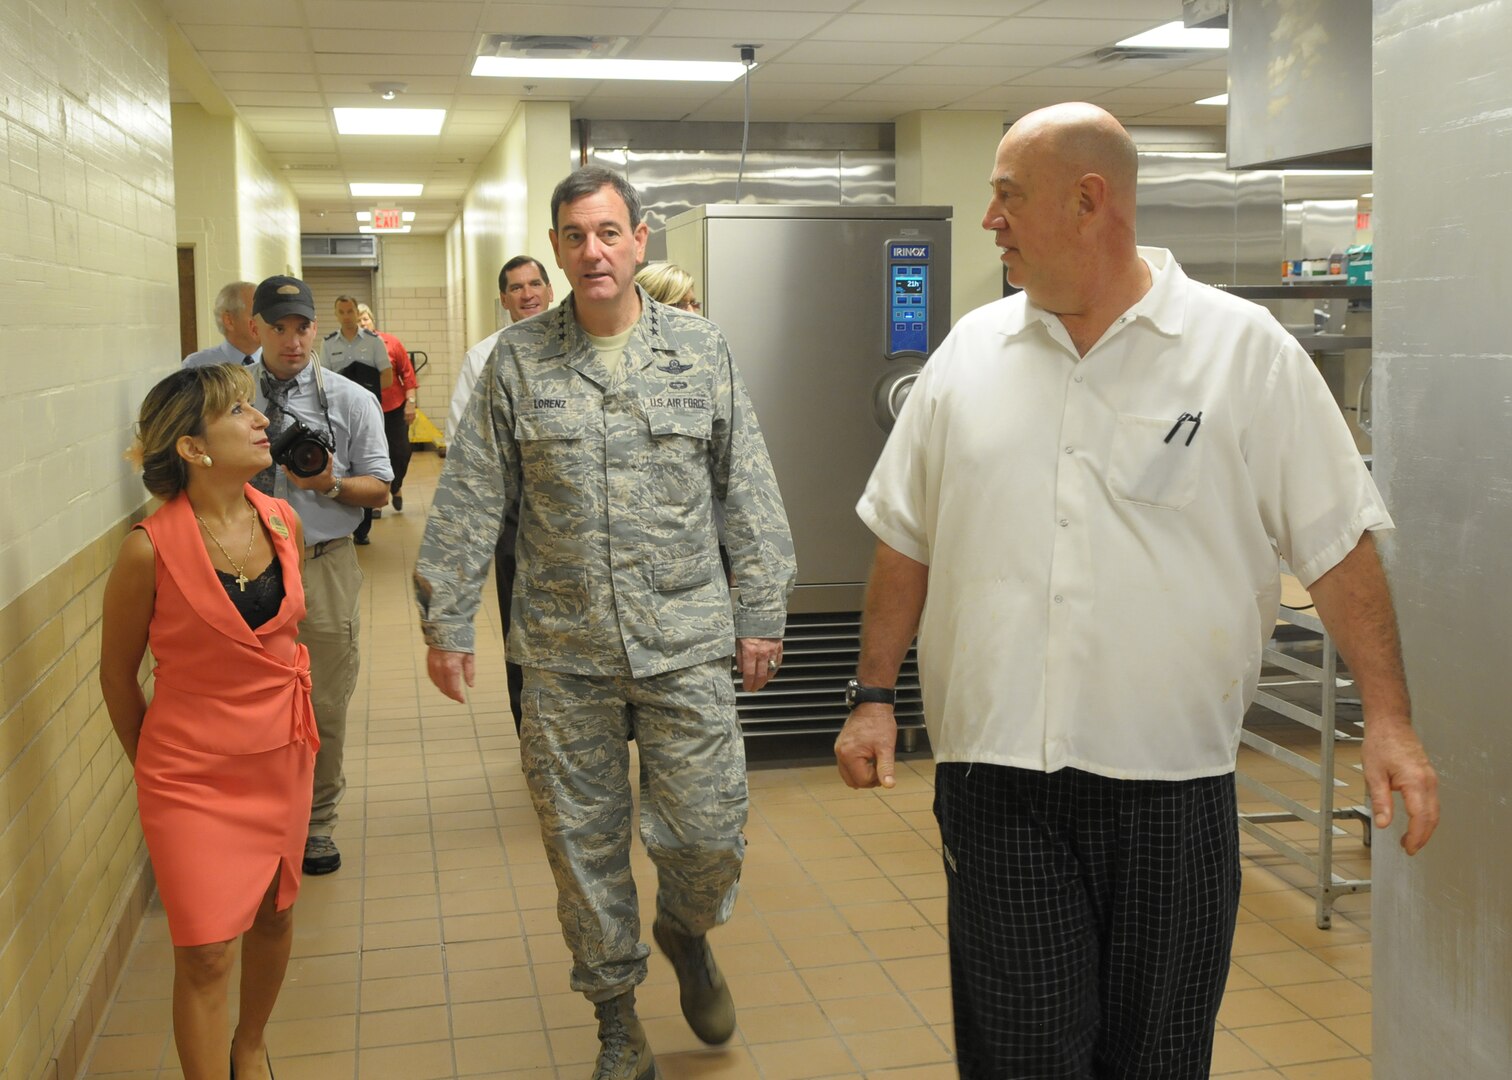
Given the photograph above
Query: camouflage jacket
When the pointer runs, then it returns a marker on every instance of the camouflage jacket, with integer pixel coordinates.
(618, 563)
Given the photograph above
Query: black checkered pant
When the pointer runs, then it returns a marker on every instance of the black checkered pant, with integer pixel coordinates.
(1091, 921)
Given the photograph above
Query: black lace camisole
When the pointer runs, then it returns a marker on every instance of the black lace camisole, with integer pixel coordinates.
(263, 597)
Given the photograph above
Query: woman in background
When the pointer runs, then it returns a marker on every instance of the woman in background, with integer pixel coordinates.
(670, 284)
(224, 755)
(398, 404)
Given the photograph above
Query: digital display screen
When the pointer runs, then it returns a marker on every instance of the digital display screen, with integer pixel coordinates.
(909, 269)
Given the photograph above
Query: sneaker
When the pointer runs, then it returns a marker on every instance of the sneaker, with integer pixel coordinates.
(623, 1051)
(321, 856)
(361, 541)
(705, 999)
(398, 501)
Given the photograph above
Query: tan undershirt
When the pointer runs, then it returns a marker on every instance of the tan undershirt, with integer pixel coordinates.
(611, 350)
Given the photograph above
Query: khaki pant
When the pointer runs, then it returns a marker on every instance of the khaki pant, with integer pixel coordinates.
(693, 807)
(331, 628)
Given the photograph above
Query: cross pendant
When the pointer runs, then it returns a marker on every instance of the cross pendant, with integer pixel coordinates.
(241, 582)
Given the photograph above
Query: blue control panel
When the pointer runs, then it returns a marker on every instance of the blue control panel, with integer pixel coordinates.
(908, 297)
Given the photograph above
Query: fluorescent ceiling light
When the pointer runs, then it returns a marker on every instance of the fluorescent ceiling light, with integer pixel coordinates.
(1368, 195)
(367, 215)
(1216, 99)
(513, 67)
(370, 229)
(389, 121)
(1173, 35)
(396, 191)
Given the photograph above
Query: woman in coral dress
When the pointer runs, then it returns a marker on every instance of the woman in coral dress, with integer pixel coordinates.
(224, 754)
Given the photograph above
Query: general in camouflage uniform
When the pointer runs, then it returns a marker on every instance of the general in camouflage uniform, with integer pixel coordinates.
(623, 423)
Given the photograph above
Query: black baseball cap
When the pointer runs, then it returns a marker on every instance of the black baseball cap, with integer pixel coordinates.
(278, 297)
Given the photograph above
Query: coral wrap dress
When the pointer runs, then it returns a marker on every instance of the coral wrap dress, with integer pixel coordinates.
(226, 757)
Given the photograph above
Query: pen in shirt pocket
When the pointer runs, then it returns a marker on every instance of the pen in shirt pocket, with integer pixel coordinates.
(1196, 422)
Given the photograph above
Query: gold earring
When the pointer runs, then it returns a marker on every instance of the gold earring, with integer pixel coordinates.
(205, 460)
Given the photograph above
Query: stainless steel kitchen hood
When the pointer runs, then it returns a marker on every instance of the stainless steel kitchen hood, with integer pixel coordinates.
(1299, 84)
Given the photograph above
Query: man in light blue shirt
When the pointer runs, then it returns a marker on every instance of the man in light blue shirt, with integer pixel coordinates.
(233, 313)
(291, 388)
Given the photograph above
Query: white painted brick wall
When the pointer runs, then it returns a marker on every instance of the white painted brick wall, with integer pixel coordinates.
(88, 287)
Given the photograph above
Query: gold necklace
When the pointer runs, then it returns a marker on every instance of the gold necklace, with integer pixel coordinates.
(241, 578)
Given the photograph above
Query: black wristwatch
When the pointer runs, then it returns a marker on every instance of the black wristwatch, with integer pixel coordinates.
(857, 692)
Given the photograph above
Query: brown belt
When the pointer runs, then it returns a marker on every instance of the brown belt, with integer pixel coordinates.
(315, 551)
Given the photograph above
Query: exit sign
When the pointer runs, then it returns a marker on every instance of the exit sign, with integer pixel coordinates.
(1362, 221)
(387, 217)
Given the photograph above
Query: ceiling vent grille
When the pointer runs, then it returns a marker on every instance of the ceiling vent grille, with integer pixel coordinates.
(1130, 54)
(550, 46)
(332, 249)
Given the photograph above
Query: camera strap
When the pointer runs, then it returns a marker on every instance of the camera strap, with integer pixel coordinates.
(277, 393)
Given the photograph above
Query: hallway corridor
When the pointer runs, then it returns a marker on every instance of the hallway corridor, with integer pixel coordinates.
(434, 952)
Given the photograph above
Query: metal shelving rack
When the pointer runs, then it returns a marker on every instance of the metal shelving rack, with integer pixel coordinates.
(1327, 886)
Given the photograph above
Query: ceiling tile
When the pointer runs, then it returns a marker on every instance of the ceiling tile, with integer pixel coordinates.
(378, 43)
(608, 20)
(782, 90)
(1010, 56)
(393, 15)
(391, 67)
(742, 25)
(233, 12)
(1147, 97)
(941, 29)
(1105, 76)
(464, 105)
(995, 9)
(243, 99)
(288, 82)
(415, 86)
(366, 99)
(773, 5)
(857, 52)
(1028, 97)
(660, 91)
(911, 97)
(657, 47)
(1090, 33)
(945, 75)
(853, 74)
(244, 38)
(543, 89)
(1193, 115)
(628, 110)
(868, 111)
(276, 115)
(1156, 11)
(772, 112)
(222, 63)
(1212, 82)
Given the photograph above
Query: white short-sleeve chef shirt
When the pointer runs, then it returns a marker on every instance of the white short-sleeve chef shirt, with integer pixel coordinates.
(1099, 593)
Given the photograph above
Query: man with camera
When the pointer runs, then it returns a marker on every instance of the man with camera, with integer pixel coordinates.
(330, 462)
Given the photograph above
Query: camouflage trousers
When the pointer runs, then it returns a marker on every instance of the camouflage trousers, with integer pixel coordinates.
(693, 806)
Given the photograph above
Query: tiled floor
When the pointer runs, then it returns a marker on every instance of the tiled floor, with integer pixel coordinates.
(434, 952)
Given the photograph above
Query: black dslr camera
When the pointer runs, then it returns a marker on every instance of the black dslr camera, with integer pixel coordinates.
(304, 450)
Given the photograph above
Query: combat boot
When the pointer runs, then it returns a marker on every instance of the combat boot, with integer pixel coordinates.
(705, 999)
(623, 1051)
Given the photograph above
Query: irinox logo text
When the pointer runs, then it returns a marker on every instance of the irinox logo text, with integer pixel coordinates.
(910, 251)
